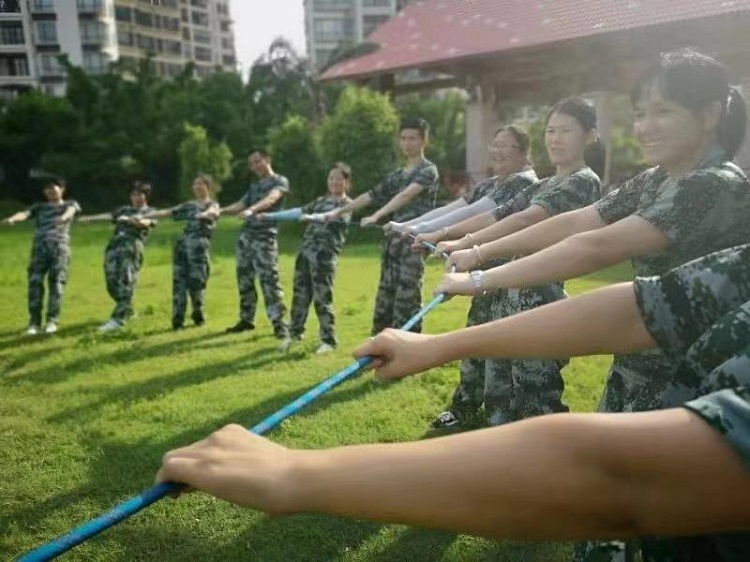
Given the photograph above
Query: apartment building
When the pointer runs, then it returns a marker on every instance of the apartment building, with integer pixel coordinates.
(331, 25)
(34, 33)
(93, 33)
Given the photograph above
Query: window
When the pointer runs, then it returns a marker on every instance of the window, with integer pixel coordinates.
(10, 7)
(186, 33)
(199, 18)
(144, 18)
(199, 4)
(172, 47)
(94, 62)
(333, 29)
(89, 5)
(378, 3)
(200, 36)
(14, 65)
(227, 43)
(43, 5)
(50, 65)
(125, 37)
(202, 54)
(46, 32)
(11, 33)
(123, 14)
(92, 32)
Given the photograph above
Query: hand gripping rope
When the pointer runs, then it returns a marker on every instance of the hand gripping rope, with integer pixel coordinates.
(119, 513)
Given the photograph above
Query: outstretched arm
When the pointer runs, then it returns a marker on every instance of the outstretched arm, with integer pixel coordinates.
(398, 201)
(559, 477)
(158, 214)
(566, 328)
(434, 214)
(96, 218)
(17, 217)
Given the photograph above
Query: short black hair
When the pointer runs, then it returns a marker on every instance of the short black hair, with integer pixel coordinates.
(56, 182)
(262, 151)
(416, 123)
(141, 187)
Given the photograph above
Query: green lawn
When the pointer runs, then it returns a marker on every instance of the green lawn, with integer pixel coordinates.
(85, 419)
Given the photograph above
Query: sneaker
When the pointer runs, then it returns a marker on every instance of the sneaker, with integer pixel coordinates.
(241, 326)
(51, 327)
(32, 330)
(325, 348)
(177, 325)
(286, 344)
(199, 320)
(446, 419)
(110, 325)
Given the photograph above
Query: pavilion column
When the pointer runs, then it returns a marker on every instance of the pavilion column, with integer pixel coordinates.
(743, 155)
(604, 123)
(481, 123)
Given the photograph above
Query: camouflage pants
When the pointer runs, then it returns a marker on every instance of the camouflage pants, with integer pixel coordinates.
(520, 388)
(122, 262)
(469, 395)
(259, 256)
(191, 268)
(50, 259)
(400, 289)
(314, 272)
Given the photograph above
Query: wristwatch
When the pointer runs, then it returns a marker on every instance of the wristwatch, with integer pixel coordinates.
(476, 281)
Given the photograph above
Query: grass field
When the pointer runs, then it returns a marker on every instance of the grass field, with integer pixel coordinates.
(85, 419)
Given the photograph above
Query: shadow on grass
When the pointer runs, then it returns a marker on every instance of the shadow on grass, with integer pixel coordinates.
(417, 545)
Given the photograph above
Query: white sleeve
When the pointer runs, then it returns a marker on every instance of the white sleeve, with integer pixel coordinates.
(484, 205)
(439, 212)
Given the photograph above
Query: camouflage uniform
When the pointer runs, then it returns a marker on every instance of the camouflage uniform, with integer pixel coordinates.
(520, 388)
(469, 395)
(258, 254)
(191, 264)
(315, 269)
(704, 211)
(699, 314)
(123, 259)
(402, 269)
(50, 257)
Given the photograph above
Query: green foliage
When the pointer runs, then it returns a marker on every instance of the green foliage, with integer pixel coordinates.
(199, 155)
(361, 132)
(296, 156)
(446, 115)
(86, 418)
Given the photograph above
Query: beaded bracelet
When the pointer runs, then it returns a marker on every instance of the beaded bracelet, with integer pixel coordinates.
(479, 255)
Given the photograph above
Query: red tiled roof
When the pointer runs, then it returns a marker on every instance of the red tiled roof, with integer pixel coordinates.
(429, 32)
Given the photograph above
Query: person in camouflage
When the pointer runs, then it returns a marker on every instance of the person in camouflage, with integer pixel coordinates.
(676, 472)
(257, 247)
(515, 389)
(693, 202)
(510, 158)
(123, 256)
(50, 254)
(315, 266)
(191, 259)
(405, 193)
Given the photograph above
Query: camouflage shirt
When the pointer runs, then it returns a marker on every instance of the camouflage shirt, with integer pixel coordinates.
(194, 226)
(330, 235)
(699, 314)
(424, 173)
(555, 194)
(257, 192)
(127, 231)
(45, 216)
(704, 211)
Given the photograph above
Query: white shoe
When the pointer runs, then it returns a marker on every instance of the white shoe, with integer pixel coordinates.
(32, 330)
(110, 325)
(50, 328)
(286, 344)
(325, 348)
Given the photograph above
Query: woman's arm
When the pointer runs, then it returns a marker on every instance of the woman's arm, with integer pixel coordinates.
(17, 217)
(558, 477)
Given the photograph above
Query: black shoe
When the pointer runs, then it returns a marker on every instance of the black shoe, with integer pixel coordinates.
(241, 326)
(177, 325)
(199, 320)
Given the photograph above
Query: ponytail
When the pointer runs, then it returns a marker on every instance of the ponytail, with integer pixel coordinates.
(731, 129)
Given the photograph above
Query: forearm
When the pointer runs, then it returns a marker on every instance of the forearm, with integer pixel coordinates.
(573, 257)
(457, 216)
(566, 328)
(542, 235)
(360, 202)
(400, 200)
(560, 477)
(265, 203)
(469, 226)
(162, 214)
(233, 209)
(96, 218)
(439, 212)
(19, 216)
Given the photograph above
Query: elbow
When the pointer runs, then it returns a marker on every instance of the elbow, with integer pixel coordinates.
(592, 253)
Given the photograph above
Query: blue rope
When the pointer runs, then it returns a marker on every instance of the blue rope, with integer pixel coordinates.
(119, 513)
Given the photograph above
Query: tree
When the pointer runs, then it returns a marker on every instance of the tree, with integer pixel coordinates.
(199, 155)
(296, 155)
(361, 132)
